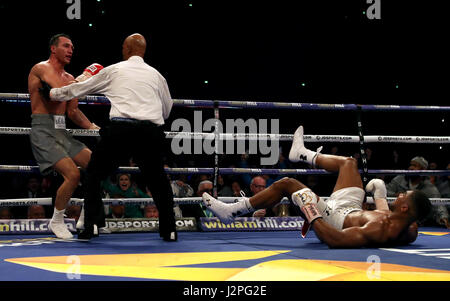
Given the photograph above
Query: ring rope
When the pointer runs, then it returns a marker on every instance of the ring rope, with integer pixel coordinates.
(145, 201)
(93, 99)
(275, 137)
(259, 171)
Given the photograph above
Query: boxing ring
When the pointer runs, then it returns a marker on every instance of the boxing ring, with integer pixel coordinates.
(226, 254)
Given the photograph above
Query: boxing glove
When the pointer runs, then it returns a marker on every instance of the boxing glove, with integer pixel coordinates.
(311, 207)
(89, 72)
(377, 188)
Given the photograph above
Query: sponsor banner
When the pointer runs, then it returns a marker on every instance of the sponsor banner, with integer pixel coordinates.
(31, 242)
(31, 226)
(289, 223)
(147, 224)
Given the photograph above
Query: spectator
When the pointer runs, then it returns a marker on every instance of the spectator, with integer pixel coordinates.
(150, 211)
(222, 188)
(403, 183)
(204, 186)
(117, 211)
(443, 185)
(433, 166)
(31, 189)
(259, 184)
(46, 186)
(5, 213)
(244, 163)
(236, 189)
(36, 212)
(125, 188)
(198, 210)
(281, 164)
(198, 179)
(180, 190)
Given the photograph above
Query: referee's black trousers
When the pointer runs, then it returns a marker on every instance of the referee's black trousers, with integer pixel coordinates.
(144, 142)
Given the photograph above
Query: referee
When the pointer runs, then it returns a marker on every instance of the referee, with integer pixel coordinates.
(140, 102)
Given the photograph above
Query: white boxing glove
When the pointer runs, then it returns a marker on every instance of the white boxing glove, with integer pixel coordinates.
(377, 188)
(304, 197)
(309, 204)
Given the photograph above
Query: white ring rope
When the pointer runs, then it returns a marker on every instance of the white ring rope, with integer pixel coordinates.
(274, 137)
(145, 201)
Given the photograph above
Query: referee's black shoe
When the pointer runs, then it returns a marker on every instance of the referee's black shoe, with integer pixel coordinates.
(88, 232)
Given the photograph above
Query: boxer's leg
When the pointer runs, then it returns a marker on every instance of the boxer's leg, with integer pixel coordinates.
(264, 199)
(273, 194)
(347, 167)
(82, 159)
(69, 171)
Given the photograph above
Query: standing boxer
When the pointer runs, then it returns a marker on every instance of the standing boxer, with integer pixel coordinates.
(140, 102)
(52, 146)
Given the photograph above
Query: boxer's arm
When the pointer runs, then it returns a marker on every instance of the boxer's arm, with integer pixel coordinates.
(381, 204)
(39, 82)
(166, 99)
(34, 81)
(78, 117)
(96, 84)
(378, 188)
(353, 237)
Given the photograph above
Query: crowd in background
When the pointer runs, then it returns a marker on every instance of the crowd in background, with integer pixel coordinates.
(186, 185)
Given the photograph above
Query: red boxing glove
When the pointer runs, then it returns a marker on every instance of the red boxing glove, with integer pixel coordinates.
(94, 68)
(89, 72)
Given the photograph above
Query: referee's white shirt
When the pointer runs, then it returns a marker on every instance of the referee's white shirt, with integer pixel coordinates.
(135, 90)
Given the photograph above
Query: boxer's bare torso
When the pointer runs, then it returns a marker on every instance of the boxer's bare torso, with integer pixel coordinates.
(55, 76)
(379, 227)
(361, 218)
(52, 72)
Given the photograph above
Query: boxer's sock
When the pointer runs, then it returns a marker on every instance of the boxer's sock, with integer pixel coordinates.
(58, 216)
(241, 207)
(57, 225)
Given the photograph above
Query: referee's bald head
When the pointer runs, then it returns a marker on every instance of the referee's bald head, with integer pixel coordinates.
(134, 44)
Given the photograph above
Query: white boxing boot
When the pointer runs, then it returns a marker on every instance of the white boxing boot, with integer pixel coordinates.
(57, 225)
(299, 152)
(226, 212)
